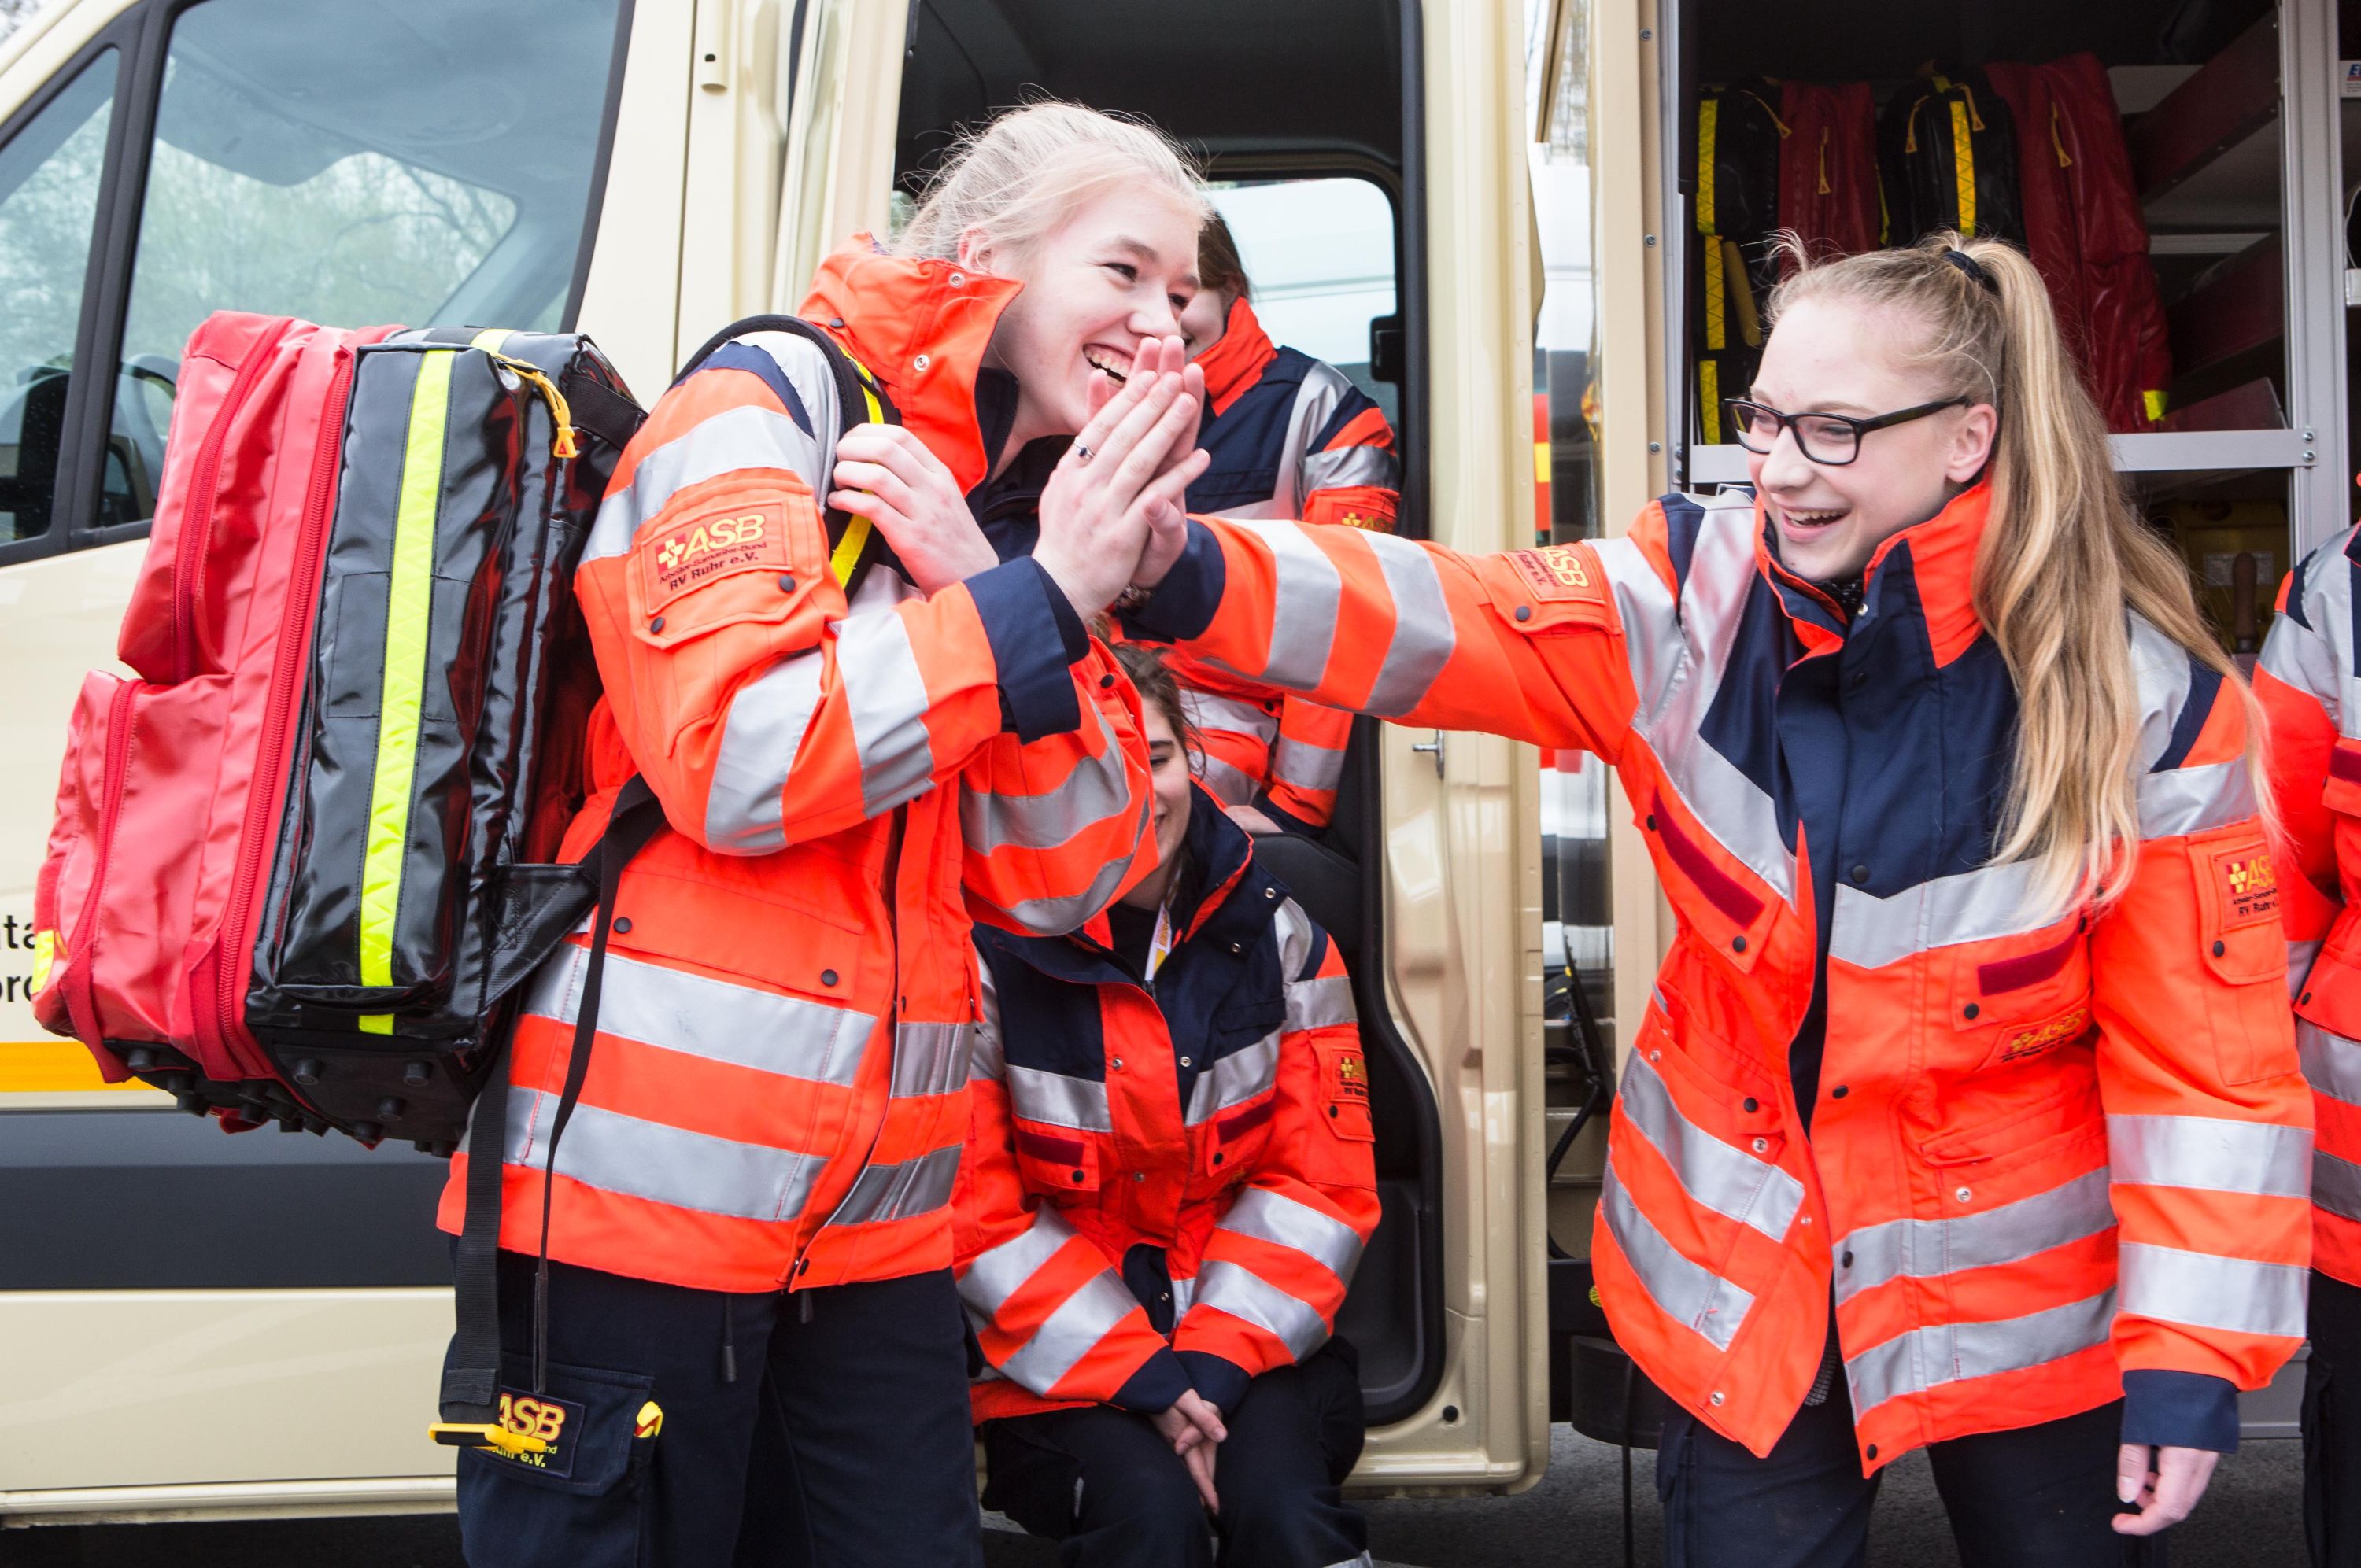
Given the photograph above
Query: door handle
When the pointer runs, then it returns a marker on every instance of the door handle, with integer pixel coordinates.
(1431, 747)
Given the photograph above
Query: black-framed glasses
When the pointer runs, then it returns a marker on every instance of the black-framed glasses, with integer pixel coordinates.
(1832, 440)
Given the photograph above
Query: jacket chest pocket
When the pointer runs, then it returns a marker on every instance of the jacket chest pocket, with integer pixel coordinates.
(1235, 1096)
(1718, 901)
(2019, 997)
(1056, 1159)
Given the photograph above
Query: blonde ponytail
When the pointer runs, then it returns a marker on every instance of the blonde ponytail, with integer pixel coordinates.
(2064, 554)
(1019, 179)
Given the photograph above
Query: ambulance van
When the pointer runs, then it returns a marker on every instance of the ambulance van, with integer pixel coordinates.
(195, 1325)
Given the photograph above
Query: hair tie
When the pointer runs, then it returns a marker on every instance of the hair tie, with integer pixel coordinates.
(1975, 274)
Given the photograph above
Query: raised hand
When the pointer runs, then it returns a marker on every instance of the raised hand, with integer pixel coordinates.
(1120, 474)
(885, 474)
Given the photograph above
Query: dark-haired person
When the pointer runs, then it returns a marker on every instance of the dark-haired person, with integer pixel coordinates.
(1169, 1185)
(1284, 436)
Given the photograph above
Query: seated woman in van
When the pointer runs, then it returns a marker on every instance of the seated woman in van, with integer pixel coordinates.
(1167, 1186)
(1285, 436)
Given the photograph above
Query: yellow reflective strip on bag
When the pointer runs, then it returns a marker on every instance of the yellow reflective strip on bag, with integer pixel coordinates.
(1709, 112)
(1717, 315)
(847, 553)
(1963, 168)
(409, 603)
(489, 339)
(1709, 401)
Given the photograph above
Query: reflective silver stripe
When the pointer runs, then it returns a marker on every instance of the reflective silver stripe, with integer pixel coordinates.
(2207, 1290)
(2336, 1184)
(1056, 916)
(1320, 1003)
(886, 696)
(1687, 1292)
(1094, 791)
(1231, 715)
(2302, 657)
(930, 1059)
(2211, 1153)
(1071, 1333)
(901, 1191)
(1231, 786)
(984, 1058)
(1249, 1297)
(998, 1273)
(745, 437)
(1316, 397)
(2160, 671)
(1678, 655)
(2009, 1233)
(1922, 1358)
(1966, 907)
(760, 735)
(1234, 1080)
(2300, 958)
(1273, 1217)
(2190, 800)
(661, 1164)
(1423, 637)
(1058, 1099)
(1728, 1180)
(1295, 930)
(2331, 1064)
(1184, 1295)
(708, 1018)
(1355, 465)
(1306, 590)
(1305, 765)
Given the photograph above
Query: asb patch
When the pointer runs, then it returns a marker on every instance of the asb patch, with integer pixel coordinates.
(690, 555)
(2048, 1037)
(554, 1421)
(1559, 571)
(1351, 1081)
(2250, 887)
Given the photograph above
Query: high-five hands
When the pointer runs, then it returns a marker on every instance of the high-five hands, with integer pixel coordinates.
(1194, 1429)
(1119, 487)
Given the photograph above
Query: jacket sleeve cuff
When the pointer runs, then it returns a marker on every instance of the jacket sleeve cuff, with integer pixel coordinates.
(1220, 1381)
(2180, 1410)
(1183, 603)
(1151, 1390)
(1036, 638)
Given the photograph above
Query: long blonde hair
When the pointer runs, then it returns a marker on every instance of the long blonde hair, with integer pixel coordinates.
(1020, 178)
(2063, 556)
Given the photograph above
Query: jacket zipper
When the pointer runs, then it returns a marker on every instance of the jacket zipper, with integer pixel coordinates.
(188, 548)
(286, 684)
(118, 760)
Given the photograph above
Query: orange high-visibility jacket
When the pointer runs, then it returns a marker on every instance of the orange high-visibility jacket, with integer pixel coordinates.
(1169, 1186)
(1289, 436)
(777, 1094)
(2311, 695)
(2053, 1156)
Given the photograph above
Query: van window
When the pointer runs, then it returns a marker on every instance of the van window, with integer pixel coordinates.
(446, 180)
(48, 201)
(1320, 254)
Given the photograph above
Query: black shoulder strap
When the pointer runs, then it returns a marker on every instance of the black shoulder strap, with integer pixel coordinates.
(853, 544)
(471, 1369)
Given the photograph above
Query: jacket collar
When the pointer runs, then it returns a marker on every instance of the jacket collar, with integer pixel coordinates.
(1938, 555)
(922, 327)
(1238, 360)
(1218, 900)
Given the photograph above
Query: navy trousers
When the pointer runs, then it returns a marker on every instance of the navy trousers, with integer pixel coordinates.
(2332, 1426)
(840, 1439)
(1103, 1483)
(2039, 1496)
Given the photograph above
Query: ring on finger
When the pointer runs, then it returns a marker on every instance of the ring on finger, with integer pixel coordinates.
(1082, 453)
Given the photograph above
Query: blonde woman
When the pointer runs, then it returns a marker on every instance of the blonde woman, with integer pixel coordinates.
(1965, 1114)
(755, 1348)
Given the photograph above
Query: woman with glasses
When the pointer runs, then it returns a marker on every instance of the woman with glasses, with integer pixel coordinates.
(1965, 1112)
